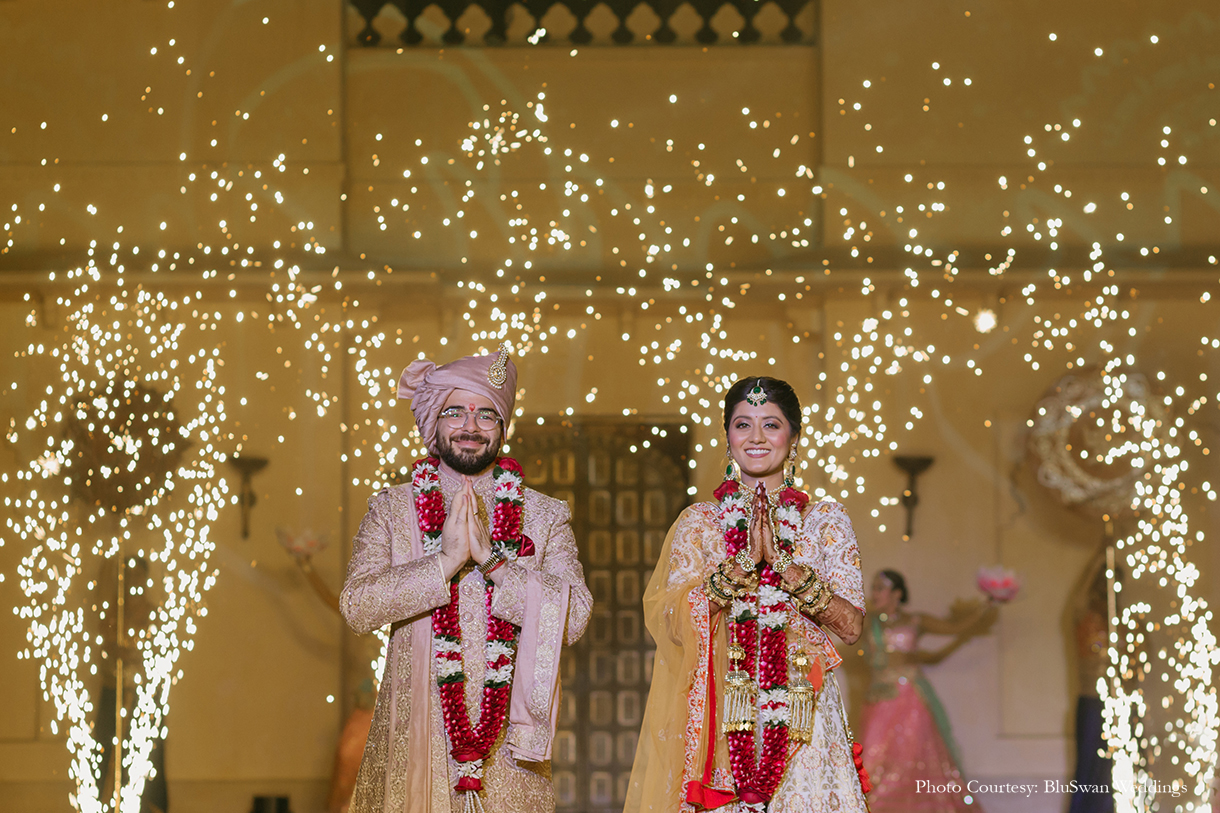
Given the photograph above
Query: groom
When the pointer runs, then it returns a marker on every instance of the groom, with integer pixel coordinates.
(478, 579)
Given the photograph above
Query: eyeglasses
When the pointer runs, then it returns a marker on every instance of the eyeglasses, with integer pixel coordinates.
(456, 416)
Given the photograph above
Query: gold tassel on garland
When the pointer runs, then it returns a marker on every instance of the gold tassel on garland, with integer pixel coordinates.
(740, 694)
(801, 698)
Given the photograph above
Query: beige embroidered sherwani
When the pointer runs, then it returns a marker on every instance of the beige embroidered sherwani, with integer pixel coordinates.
(407, 767)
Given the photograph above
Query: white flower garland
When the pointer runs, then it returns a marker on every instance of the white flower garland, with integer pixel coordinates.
(770, 605)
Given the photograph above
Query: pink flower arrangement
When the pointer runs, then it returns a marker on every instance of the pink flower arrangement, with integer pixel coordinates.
(999, 583)
(305, 543)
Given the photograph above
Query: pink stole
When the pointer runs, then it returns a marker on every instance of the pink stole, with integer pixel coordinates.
(534, 707)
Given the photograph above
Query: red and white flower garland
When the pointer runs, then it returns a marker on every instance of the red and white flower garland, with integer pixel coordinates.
(469, 744)
(757, 621)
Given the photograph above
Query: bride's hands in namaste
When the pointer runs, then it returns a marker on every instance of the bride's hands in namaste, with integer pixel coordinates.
(763, 529)
(759, 533)
(770, 547)
(762, 535)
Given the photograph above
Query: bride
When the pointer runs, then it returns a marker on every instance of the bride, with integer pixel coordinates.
(744, 714)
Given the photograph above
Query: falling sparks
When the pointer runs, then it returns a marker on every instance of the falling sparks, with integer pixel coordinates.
(132, 430)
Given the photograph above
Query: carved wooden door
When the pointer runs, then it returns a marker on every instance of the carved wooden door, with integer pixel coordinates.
(626, 483)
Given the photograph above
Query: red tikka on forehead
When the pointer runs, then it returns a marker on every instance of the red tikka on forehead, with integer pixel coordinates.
(471, 408)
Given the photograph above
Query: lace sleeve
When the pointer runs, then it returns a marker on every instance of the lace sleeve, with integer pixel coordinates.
(831, 549)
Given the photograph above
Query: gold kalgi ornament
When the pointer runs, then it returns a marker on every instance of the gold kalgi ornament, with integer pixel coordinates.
(497, 376)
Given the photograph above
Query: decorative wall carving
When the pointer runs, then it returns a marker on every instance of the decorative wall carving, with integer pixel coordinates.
(630, 21)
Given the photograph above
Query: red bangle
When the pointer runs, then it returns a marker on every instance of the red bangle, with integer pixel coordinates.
(492, 569)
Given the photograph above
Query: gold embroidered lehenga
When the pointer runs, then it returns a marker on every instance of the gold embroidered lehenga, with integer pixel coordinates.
(673, 747)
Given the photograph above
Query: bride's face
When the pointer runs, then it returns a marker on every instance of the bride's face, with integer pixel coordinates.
(759, 439)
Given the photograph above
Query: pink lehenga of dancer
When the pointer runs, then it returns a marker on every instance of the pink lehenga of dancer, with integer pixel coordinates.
(908, 746)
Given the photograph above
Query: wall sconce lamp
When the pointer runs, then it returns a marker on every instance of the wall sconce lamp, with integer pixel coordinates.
(913, 466)
(247, 467)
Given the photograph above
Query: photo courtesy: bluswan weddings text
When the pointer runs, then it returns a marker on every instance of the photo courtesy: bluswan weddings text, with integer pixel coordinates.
(1056, 786)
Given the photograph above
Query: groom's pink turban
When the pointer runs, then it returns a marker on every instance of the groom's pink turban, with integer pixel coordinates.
(429, 386)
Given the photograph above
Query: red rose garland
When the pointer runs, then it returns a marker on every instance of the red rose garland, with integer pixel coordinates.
(469, 744)
(757, 622)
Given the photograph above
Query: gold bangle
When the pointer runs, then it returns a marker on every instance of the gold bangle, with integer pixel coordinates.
(751, 580)
(728, 586)
(723, 569)
(490, 563)
(814, 595)
(724, 586)
(816, 609)
(811, 582)
(804, 584)
(713, 594)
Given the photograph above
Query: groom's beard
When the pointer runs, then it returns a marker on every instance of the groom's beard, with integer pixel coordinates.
(463, 461)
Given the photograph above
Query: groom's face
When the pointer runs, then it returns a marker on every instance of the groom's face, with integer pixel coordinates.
(466, 437)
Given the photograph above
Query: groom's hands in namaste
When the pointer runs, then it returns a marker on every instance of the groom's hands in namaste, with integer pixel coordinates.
(480, 539)
(464, 536)
(455, 537)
